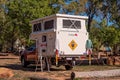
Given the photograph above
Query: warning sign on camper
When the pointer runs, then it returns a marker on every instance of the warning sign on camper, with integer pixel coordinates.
(72, 44)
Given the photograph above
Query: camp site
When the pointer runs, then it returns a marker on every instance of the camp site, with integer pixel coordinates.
(59, 40)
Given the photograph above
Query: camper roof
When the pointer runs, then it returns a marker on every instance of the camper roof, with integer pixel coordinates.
(61, 15)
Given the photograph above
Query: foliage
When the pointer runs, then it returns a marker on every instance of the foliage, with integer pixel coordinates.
(15, 18)
(104, 34)
(111, 9)
(3, 25)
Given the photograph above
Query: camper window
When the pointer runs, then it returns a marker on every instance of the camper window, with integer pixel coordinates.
(43, 38)
(71, 24)
(37, 27)
(49, 24)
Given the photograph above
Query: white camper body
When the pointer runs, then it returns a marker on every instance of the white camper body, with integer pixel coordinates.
(65, 33)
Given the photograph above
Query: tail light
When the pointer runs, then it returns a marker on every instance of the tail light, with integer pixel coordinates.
(57, 56)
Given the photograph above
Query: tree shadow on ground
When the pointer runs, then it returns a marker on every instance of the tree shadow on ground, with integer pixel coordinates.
(7, 58)
(36, 78)
(29, 68)
(93, 62)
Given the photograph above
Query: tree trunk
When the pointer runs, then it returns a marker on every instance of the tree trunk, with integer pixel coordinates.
(89, 24)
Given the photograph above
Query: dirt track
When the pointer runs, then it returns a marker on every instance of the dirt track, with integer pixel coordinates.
(12, 62)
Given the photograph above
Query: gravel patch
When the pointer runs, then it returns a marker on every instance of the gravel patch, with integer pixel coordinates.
(99, 74)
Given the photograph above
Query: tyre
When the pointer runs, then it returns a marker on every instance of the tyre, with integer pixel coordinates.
(23, 62)
(68, 67)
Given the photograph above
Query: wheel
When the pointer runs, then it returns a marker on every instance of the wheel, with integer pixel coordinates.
(68, 67)
(23, 62)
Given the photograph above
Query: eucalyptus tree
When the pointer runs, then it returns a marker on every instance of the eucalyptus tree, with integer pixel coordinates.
(21, 12)
(111, 9)
(101, 33)
(3, 25)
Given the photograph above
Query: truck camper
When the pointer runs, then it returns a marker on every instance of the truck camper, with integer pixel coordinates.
(59, 37)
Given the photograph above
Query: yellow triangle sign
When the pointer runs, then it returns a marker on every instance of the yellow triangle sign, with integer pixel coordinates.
(72, 45)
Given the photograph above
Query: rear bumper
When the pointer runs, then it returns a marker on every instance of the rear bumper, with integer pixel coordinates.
(71, 55)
